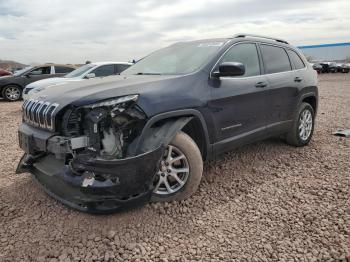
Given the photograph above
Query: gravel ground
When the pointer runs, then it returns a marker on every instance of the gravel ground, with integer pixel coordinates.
(263, 202)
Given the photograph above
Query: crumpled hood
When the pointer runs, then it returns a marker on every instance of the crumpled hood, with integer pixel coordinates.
(96, 89)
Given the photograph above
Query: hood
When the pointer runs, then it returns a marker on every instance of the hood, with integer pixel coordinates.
(96, 89)
(50, 82)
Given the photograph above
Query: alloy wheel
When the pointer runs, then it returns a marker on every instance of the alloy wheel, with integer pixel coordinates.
(173, 172)
(12, 93)
(305, 124)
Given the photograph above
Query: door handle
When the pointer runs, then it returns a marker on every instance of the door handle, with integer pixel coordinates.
(260, 85)
(298, 79)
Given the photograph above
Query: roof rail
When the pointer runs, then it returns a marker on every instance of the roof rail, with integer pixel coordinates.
(260, 36)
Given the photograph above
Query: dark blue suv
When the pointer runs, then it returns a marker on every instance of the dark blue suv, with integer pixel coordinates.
(119, 141)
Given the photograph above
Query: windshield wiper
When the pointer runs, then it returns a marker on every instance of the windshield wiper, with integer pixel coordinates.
(149, 74)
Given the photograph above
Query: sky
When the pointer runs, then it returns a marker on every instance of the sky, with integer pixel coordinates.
(73, 31)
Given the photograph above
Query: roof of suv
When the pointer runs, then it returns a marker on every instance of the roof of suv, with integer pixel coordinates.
(248, 37)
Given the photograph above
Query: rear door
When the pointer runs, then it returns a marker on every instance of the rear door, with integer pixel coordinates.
(238, 103)
(104, 70)
(62, 70)
(299, 67)
(282, 89)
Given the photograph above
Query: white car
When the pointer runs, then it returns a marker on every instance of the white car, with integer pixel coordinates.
(98, 69)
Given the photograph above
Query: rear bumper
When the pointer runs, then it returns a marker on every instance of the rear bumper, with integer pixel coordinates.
(96, 186)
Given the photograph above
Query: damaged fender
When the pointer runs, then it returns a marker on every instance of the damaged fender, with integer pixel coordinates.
(158, 135)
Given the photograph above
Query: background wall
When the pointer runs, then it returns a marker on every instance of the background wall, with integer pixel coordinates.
(327, 52)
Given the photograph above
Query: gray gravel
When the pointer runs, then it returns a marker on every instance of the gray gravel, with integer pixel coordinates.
(263, 202)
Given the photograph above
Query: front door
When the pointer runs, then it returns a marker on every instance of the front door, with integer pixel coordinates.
(238, 104)
(37, 74)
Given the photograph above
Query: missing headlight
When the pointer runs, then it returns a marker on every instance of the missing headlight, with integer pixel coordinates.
(110, 128)
(124, 127)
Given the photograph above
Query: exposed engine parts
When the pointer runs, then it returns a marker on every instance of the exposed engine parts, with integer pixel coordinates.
(105, 131)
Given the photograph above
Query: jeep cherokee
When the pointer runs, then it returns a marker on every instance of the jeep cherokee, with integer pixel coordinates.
(120, 141)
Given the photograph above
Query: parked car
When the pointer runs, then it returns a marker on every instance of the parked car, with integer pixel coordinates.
(4, 73)
(333, 67)
(343, 68)
(348, 66)
(90, 70)
(108, 143)
(11, 87)
(329, 67)
(318, 67)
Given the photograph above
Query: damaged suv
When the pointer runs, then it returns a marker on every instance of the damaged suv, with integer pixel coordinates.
(105, 144)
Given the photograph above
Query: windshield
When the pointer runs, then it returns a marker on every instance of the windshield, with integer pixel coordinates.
(80, 71)
(22, 71)
(178, 59)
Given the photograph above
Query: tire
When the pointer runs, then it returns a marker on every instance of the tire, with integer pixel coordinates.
(294, 136)
(181, 144)
(12, 93)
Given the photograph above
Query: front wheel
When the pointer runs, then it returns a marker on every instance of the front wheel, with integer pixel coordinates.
(303, 126)
(12, 93)
(180, 170)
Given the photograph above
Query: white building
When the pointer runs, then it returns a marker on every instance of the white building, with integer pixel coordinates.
(327, 52)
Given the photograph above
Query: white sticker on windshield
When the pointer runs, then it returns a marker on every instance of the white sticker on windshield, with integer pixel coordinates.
(210, 44)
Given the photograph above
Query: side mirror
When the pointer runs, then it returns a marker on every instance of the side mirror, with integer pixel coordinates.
(28, 75)
(90, 75)
(230, 69)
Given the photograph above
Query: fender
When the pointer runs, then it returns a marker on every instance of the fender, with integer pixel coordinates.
(306, 95)
(171, 122)
(160, 135)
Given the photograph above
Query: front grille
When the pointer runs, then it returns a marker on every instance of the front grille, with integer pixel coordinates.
(39, 113)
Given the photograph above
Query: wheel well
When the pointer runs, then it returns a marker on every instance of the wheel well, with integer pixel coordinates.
(3, 87)
(195, 130)
(311, 100)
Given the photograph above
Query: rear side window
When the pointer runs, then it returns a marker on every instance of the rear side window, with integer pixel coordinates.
(121, 68)
(296, 60)
(105, 70)
(275, 59)
(63, 70)
(246, 54)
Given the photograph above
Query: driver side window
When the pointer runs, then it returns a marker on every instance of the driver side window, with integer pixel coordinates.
(41, 71)
(246, 54)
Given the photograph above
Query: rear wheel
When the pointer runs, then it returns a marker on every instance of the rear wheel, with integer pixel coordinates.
(180, 170)
(303, 126)
(12, 93)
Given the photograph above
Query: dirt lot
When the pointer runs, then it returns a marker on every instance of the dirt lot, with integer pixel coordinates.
(263, 202)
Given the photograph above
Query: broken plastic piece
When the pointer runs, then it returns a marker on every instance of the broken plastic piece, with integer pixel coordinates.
(88, 181)
(343, 133)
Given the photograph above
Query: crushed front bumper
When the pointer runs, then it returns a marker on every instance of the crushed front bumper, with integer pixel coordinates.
(83, 185)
